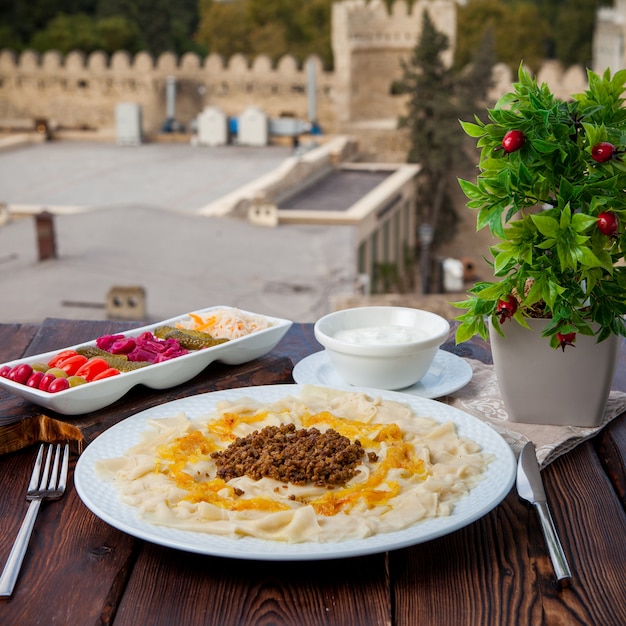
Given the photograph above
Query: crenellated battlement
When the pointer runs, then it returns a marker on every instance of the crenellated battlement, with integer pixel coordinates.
(53, 61)
(81, 91)
(371, 21)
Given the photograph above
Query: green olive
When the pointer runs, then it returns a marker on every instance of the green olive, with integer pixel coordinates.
(57, 372)
(74, 381)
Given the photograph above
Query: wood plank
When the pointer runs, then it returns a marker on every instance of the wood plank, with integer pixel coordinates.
(499, 565)
(171, 587)
(73, 560)
(610, 446)
(14, 340)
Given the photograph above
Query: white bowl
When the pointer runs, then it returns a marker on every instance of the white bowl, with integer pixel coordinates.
(384, 347)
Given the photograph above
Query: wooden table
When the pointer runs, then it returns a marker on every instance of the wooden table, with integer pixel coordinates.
(79, 570)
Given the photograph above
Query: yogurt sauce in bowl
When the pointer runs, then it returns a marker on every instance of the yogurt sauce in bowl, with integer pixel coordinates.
(380, 335)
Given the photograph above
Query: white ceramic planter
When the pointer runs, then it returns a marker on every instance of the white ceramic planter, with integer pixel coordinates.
(541, 385)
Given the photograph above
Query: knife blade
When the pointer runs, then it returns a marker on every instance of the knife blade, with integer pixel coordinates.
(530, 488)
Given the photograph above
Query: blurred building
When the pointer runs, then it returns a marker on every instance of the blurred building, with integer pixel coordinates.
(609, 36)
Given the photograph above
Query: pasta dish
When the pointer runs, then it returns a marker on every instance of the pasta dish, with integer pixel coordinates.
(323, 465)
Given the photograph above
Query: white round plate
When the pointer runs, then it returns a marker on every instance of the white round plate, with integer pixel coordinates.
(101, 498)
(448, 373)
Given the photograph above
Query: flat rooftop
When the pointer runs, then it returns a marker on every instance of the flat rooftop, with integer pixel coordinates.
(142, 228)
(336, 191)
(173, 176)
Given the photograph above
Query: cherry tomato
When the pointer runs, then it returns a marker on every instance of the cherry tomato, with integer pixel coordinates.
(71, 364)
(92, 367)
(64, 354)
(106, 374)
(4, 371)
(20, 373)
(58, 384)
(46, 380)
(35, 380)
(52, 374)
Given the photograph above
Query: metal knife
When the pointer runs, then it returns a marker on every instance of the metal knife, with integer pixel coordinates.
(530, 488)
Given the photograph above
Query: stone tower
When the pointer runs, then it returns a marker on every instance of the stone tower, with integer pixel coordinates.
(368, 43)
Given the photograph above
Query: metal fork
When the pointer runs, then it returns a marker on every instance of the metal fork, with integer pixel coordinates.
(48, 484)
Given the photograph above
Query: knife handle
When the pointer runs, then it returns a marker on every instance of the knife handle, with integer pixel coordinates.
(559, 562)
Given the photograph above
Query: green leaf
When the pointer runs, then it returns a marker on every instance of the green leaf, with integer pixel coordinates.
(470, 189)
(547, 226)
(581, 222)
(473, 130)
(586, 257)
(545, 147)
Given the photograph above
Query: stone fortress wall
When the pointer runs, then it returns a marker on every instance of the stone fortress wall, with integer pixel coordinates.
(81, 92)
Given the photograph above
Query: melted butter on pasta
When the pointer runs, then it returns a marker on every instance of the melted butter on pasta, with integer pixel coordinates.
(414, 468)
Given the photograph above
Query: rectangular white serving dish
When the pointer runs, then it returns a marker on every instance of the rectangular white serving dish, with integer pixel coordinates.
(96, 395)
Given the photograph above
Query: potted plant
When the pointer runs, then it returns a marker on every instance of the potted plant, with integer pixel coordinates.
(551, 189)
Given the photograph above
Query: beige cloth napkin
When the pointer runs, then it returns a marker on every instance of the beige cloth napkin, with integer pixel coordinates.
(481, 398)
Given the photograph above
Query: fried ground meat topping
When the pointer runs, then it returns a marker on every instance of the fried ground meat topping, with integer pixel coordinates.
(326, 459)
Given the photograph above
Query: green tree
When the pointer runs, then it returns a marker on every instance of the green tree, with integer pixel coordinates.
(165, 26)
(117, 33)
(433, 133)
(224, 28)
(23, 18)
(66, 33)
(438, 96)
(519, 32)
(574, 26)
(272, 27)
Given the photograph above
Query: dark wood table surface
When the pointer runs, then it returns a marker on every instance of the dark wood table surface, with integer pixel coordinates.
(496, 571)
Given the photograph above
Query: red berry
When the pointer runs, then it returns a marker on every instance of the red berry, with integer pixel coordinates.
(58, 384)
(603, 152)
(513, 141)
(46, 381)
(506, 308)
(34, 380)
(608, 223)
(566, 339)
(20, 373)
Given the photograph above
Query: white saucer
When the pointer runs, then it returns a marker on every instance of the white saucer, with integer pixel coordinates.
(448, 373)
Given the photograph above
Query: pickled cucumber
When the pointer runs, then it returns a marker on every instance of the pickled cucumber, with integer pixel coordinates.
(118, 361)
(189, 339)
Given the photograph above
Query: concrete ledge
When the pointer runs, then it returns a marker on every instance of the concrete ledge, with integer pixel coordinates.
(12, 141)
(291, 176)
(28, 210)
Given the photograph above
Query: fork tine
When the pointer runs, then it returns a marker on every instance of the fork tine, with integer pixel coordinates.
(64, 468)
(46, 468)
(54, 474)
(34, 477)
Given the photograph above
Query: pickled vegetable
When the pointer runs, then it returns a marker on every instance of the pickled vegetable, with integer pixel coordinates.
(117, 361)
(189, 339)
